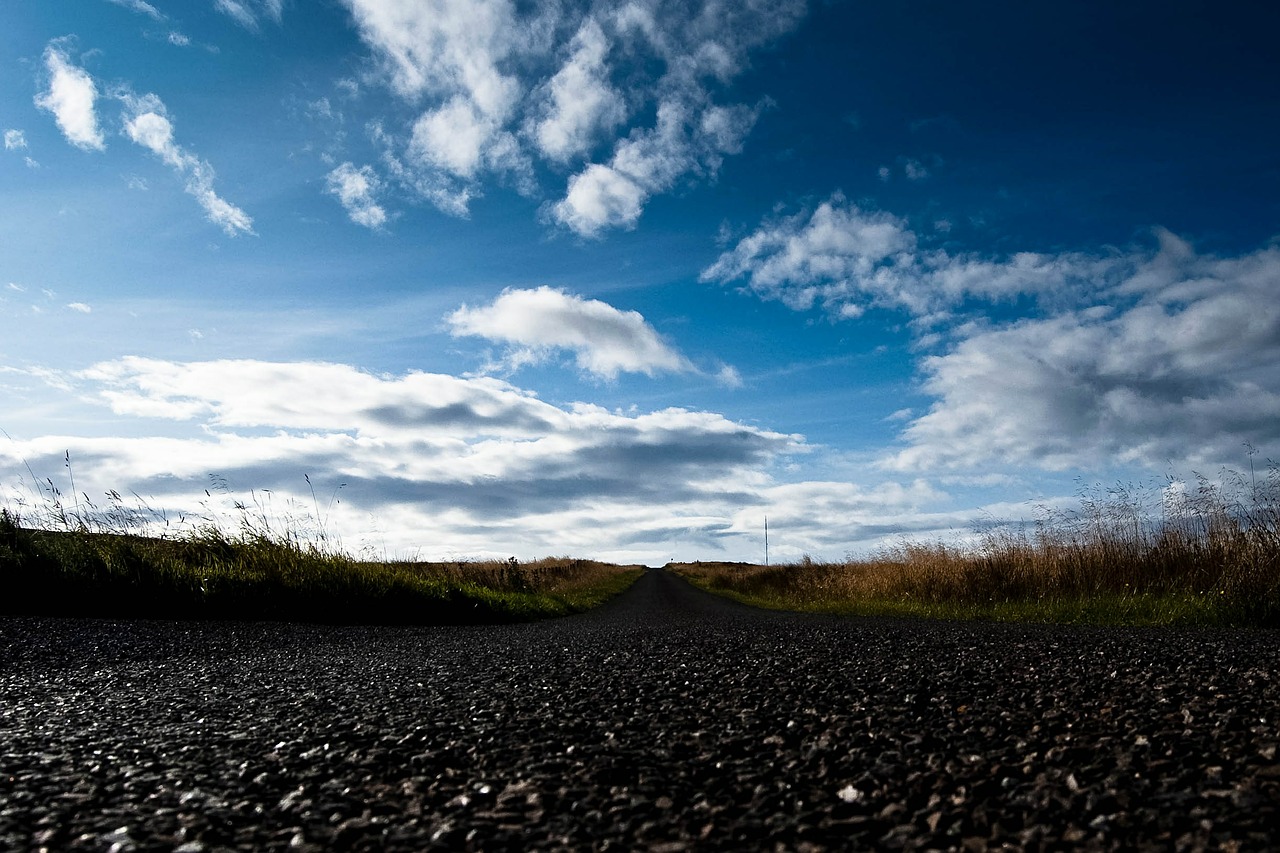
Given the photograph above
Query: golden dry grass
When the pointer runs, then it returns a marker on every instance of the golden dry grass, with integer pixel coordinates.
(1168, 556)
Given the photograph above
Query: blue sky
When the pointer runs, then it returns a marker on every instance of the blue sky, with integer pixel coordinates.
(620, 279)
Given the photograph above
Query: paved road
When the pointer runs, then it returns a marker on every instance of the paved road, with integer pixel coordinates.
(667, 719)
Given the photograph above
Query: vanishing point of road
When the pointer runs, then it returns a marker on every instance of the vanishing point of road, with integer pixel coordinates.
(667, 719)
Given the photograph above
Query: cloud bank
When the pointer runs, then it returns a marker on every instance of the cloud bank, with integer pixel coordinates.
(1179, 363)
(455, 466)
(1137, 357)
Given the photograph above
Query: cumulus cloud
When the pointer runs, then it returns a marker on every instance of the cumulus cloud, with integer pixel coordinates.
(600, 197)
(14, 140)
(1140, 357)
(579, 102)
(1179, 361)
(496, 84)
(536, 323)
(70, 97)
(357, 190)
(846, 259)
(451, 53)
(147, 123)
(686, 138)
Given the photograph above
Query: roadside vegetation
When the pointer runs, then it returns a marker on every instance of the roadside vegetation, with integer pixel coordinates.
(1208, 555)
(125, 559)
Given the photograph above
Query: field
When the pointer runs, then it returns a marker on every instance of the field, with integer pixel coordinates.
(1208, 555)
(212, 576)
(1129, 556)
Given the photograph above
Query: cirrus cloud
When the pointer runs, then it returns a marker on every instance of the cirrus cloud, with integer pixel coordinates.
(147, 123)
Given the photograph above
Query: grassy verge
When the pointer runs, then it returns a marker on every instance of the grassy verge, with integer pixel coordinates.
(760, 587)
(211, 576)
(1210, 557)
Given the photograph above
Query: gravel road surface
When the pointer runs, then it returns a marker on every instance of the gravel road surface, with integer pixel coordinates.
(667, 719)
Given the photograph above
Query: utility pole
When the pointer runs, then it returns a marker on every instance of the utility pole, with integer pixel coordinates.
(766, 540)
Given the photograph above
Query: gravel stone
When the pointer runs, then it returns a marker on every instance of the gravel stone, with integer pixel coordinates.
(668, 719)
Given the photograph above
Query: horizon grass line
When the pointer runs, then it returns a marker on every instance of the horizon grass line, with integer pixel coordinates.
(1208, 557)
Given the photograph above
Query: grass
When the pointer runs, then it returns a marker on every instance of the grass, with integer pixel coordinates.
(126, 559)
(1209, 556)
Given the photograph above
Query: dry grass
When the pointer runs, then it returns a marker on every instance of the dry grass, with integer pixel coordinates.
(1210, 555)
(66, 554)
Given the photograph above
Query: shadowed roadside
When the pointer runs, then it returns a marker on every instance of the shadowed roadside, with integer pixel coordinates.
(665, 717)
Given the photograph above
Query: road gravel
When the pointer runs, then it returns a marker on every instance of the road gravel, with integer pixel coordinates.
(667, 719)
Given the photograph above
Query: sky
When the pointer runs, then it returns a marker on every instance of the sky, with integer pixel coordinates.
(622, 279)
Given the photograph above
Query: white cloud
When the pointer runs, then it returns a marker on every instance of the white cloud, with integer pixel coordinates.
(915, 170)
(247, 13)
(496, 83)
(14, 140)
(70, 97)
(453, 137)
(689, 136)
(1133, 357)
(833, 256)
(1186, 369)
(79, 307)
(442, 467)
(729, 376)
(357, 190)
(456, 466)
(600, 197)
(846, 259)
(148, 125)
(605, 341)
(178, 39)
(141, 7)
(450, 52)
(579, 101)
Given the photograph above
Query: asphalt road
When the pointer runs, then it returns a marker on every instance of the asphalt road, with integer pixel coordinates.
(667, 719)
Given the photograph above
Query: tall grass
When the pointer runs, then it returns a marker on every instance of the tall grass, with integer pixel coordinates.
(123, 557)
(1206, 555)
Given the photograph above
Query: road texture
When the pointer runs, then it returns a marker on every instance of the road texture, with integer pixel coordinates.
(667, 719)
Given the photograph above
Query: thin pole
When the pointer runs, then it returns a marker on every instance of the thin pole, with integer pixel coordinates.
(766, 540)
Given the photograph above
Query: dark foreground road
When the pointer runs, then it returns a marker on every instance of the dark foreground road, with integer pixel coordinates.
(667, 719)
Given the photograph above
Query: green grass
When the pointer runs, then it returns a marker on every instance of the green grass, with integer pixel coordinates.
(1208, 557)
(211, 576)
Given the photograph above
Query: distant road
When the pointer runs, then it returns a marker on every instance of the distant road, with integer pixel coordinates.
(666, 719)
